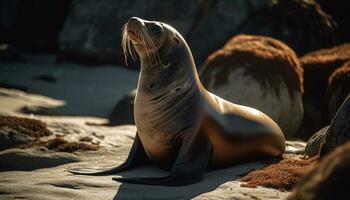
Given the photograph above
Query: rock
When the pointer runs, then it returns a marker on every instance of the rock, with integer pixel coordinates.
(123, 112)
(259, 72)
(302, 25)
(338, 9)
(338, 88)
(91, 33)
(338, 132)
(8, 53)
(216, 22)
(16, 131)
(328, 180)
(7, 16)
(32, 25)
(48, 78)
(295, 147)
(32, 159)
(31, 127)
(318, 67)
(10, 138)
(314, 143)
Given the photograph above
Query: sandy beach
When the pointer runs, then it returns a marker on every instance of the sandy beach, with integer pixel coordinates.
(80, 96)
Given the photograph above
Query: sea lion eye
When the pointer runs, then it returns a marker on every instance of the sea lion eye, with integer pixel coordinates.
(177, 39)
(156, 29)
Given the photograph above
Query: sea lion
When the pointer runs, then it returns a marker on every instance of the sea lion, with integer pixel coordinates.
(181, 126)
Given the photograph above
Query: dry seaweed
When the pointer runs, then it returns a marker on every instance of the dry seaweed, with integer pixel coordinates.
(282, 175)
(31, 127)
(60, 144)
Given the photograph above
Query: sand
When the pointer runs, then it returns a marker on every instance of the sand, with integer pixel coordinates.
(81, 96)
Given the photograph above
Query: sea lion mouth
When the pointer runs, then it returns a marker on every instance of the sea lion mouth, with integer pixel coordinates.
(133, 33)
(136, 39)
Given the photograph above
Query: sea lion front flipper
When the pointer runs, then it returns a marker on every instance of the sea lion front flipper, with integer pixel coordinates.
(189, 167)
(137, 157)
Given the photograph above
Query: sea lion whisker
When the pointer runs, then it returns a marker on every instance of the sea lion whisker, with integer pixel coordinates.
(131, 49)
(154, 51)
(150, 47)
(147, 51)
(124, 43)
(145, 42)
(145, 38)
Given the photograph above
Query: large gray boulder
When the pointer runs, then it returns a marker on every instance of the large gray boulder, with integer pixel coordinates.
(92, 30)
(259, 72)
(216, 22)
(91, 33)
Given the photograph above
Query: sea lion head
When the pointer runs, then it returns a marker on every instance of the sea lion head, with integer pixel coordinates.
(154, 42)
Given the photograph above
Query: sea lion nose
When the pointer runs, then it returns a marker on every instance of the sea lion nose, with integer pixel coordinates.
(135, 20)
(132, 19)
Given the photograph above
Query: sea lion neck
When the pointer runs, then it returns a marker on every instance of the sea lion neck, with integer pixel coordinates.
(175, 71)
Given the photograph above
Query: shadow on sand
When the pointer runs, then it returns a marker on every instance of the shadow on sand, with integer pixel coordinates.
(210, 182)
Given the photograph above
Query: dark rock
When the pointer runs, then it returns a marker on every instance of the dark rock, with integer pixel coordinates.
(32, 25)
(92, 31)
(45, 78)
(31, 127)
(339, 10)
(339, 130)
(259, 72)
(123, 112)
(10, 138)
(318, 67)
(328, 180)
(314, 143)
(8, 11)
(10, 54)
(216, 22)
(295, 147)
(16, 87)
(33, 158)
(39, 110)
(17, 131)
(338, 88)
(302, 25)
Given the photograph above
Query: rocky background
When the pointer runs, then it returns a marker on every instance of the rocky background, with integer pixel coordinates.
(66, 97)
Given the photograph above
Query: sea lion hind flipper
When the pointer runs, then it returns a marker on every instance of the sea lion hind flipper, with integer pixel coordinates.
(137, 157)
(189, 168)
(97, 172)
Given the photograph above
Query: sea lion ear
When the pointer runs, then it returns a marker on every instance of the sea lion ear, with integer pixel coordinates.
(177, 39)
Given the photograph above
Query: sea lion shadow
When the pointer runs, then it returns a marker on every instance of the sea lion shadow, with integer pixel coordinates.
(210, 182)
